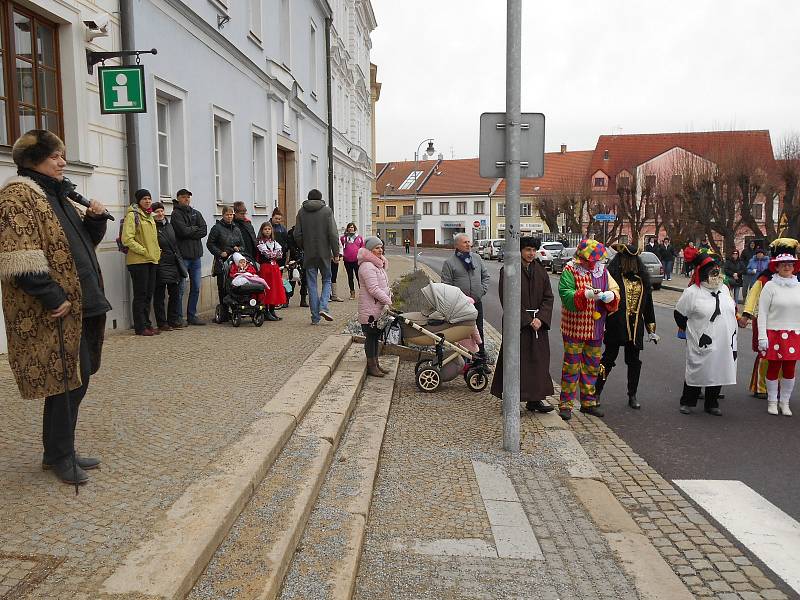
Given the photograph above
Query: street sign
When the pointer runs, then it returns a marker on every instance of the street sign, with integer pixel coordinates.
(609, 218)
(122, 89)
(492, 151)
(476, 224)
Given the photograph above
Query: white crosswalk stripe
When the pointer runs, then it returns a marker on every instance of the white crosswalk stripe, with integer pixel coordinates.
(767, 531)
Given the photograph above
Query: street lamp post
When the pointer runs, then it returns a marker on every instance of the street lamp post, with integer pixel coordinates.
(429, 151)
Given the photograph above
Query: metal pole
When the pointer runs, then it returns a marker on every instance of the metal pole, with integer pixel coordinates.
(131, 132)
(511, 258)
(416, 186)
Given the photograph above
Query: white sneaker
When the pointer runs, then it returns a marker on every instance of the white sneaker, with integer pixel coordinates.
(326, 315)
(772, 407)
(785, 410)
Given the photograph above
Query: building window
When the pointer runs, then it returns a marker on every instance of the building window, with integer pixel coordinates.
(314, 172)
(162, 127)
(255, 19)
(649, 212)
(525, 209)
(409, 181)
(408, 211)
(223, 161)
(285, 33)
(624, 183)
(258, 172)
(461, 208)
(312, 59)
(677, 182)
(378, 210)
(649, 183)
(501, 210)
(427, 208)
(444, 208)
(391, 211)
(758, 212)
(30, 91)
(599, 182)
(479, 207)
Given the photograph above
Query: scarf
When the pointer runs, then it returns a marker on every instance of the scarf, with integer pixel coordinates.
(466, 260)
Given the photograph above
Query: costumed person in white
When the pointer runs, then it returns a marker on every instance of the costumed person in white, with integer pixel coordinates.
(707, 314)
(779, 330)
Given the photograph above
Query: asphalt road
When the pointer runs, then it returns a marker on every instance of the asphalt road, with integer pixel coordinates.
(745, 444)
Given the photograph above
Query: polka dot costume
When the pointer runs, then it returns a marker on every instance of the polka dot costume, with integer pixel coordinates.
(783, 345)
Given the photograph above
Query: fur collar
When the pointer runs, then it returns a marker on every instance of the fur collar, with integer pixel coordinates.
(24, 181)
(365, 255)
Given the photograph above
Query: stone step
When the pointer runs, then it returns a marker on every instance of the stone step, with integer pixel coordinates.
(167, 564)
(254, 558)
(325, 564)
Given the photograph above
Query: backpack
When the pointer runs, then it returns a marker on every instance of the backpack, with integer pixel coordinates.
(120, 246)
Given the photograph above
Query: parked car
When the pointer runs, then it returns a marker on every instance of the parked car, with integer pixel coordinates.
(561, 259)
(548, 251)
(480, 247)
(493, 249)
(501, 253)
(654, 269)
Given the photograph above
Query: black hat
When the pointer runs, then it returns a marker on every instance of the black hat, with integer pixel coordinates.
(139, 194)
(530, 242)
(156, 205)
(33, 147)
(315, 195)
(183, 192)
(628, 249)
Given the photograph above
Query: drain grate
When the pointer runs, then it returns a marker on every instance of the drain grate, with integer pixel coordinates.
(21, 573)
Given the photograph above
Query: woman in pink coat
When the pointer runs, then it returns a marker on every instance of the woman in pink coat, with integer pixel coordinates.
(373, 296)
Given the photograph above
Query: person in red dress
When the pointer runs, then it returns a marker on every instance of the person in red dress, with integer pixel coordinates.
(268, 253)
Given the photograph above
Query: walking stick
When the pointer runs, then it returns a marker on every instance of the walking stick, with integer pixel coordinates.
(63, 352)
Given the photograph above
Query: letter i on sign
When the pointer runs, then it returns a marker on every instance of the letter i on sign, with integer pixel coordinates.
(121, 90)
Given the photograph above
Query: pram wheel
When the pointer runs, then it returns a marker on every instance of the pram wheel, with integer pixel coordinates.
(476, 379)
(236, 319)
(428, 377)
(258, 318)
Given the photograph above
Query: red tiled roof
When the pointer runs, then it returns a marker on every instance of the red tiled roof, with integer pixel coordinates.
(457, 177)
(395, 174)
(558, 168)
(630, 151)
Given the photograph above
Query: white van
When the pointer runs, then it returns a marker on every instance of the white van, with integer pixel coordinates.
(480, 247)
(493, 248)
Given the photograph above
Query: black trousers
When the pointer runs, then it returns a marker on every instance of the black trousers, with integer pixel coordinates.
(57, 430)
(691, 394)
(143, 277)
(334, 271)
(479, 324)
(610, 354)
(172, 315)
(373, 336)
(303, 285)
(352, 274)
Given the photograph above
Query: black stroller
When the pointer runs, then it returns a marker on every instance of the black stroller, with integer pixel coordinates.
(239, 301)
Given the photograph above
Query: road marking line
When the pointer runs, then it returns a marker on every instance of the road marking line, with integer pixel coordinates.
(572, 453)
(762, 527)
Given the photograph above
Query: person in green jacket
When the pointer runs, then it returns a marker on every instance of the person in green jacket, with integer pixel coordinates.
(140, 237)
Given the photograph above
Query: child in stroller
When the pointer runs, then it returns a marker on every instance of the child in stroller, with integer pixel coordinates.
(242, 290)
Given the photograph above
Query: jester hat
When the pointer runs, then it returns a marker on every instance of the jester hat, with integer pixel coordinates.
(590, 250)
(703, 262)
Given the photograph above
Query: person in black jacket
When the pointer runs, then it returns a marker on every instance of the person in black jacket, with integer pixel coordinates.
(282, 237)
(190, 229)
(169, 273)
(246, 227)
(734, 269)
(296, 256)
(225, 238)
(667, 254)
(626, 327)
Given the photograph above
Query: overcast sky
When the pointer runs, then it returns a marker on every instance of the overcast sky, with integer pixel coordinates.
(617, 66)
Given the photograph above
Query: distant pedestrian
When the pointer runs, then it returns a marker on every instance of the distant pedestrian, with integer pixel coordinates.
(245, 225)
(689, 254)
(374, 296)
(281, 235)
(171, 271)
(465, 270)
(224, 239)
(626, 328)
(190, 229)
(351, 243)
(706, 314)
(268, 254)
(295, 261)
(335, 297)
(588, 295)
(407, 244)
(651, 246)
(734, 270)
(779, 330)
(667, 254)
(757, 265)
(749, 251)
(51, 283)
(140, 237)
(315, 233)
(705, 244)
(535, 383)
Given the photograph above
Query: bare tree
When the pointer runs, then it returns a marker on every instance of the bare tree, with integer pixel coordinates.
(549, 208)
(789, 177)
(573, 197)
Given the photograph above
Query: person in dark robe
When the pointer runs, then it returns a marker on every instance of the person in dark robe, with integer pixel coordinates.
(534, 345)
(626, 327)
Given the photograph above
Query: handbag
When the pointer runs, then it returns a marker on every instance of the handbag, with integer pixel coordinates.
(287, 285)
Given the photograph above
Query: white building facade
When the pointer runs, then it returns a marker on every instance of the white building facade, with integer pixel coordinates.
(353, 160)
(445, 216)
(51, 88)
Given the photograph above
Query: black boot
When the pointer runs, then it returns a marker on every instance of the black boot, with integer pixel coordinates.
(633, 402)
(303, 302)
(275, 317)
(269, 315)
(68, 472)
(592, 410)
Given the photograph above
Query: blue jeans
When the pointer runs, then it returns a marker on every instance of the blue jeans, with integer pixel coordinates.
(668, 269)
(193, 265)
(318, 302)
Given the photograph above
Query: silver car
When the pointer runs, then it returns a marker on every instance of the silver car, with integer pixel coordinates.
(561, 259)
(654, 269)
(548, 251)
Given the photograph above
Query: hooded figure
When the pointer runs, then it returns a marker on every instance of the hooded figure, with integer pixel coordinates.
(706, 313)
(626, 327)
(588, 294)
(535, 383)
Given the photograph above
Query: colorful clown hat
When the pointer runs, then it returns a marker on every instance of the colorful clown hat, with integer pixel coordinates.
(591, 250)
(785, 257)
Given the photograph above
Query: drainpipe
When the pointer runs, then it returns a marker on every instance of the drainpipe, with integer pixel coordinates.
(328, 23)
(131, 133)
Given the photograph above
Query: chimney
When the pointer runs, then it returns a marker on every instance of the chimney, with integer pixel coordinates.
(563, 148)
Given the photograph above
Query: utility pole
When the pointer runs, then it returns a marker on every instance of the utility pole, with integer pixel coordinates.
(511, 257)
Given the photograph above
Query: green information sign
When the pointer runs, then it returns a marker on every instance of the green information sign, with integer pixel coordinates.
(122, 89)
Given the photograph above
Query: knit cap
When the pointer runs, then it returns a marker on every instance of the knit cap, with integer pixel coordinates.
(372, 242)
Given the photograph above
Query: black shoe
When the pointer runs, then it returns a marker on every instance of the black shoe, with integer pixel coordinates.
(565, 413)
(714, 411)
(539, 406)
(70, 473)
(633, 402)
(760, 395)
(303, 303)
(268, 316)
(592, 410)
(84, 462)
(685, 410)
(275, 317)
(195, 321)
